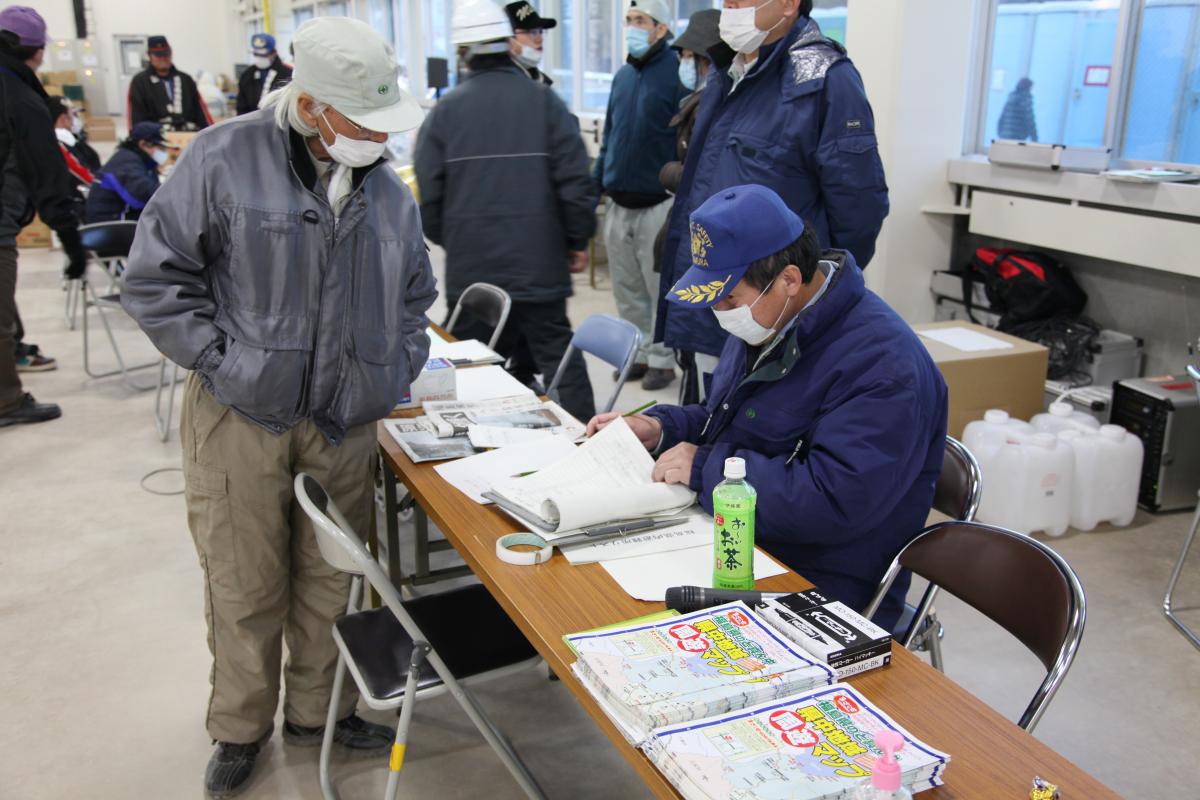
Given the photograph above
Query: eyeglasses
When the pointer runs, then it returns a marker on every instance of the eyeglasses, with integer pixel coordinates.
(359, 131)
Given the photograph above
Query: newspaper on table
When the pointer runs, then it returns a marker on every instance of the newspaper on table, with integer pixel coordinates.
(420, 442)
(691, 667)
(526, 412)
(815, 745)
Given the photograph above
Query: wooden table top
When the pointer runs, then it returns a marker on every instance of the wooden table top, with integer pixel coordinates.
(990, 756)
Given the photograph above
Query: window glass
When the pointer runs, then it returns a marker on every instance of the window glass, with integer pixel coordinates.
(558, 61)
(1163, 116)
(831, 16)
(601, 49)
(1050, 72)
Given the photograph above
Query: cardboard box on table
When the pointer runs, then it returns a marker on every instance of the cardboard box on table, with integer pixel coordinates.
(1012, 378)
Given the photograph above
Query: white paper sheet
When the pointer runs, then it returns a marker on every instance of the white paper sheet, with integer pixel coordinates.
(487, 383)
(462, 353)
(697, 531)
(474, 475)
(487, 437)
(965, 339)
(649, 577)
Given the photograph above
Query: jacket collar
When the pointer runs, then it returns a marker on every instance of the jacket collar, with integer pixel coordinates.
(153, 73)
(768, 54)
(501, 63)
(653, 54)
(21, 71)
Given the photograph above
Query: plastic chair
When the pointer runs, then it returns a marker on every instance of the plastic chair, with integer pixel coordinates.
(959, 488)
(1194, 372)
(109, 243)
(412, 649)
(1017, 582)
(612, 340)
(487, 303)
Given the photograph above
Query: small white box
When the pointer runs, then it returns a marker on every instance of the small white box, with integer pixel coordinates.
(436, 382)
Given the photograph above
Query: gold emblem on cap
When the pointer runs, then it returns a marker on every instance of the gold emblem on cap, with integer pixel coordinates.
(701, 244)
(704, 293)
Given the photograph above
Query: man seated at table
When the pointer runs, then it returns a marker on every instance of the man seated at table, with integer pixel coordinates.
(828, 395)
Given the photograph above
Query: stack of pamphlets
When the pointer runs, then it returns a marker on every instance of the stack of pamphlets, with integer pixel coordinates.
(815, 745)
(690, 667)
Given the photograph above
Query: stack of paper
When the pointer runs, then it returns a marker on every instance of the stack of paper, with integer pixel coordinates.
(524, 413)
(691, 667)
(462, 353)
(420, 442)
(817, 745)
(606, 479)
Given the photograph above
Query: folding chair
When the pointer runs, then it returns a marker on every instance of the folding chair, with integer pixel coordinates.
(419, 648)
(1017, 582)
(487, 303)
(1194, 372)
(109, 242)
(612, 340)
(959, 488)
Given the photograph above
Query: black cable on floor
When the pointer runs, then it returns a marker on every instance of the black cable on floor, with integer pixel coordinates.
(152, 473)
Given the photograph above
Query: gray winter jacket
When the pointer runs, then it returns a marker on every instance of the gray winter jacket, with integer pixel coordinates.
(239, 271)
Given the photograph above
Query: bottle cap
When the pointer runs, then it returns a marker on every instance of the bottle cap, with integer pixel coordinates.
(1046, 440)
(735, 469)
(996, 416)
(885, 774)
(1114, 432)
(1061, 409)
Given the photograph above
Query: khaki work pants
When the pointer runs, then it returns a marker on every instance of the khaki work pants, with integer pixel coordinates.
(265, 579)
(629, 235)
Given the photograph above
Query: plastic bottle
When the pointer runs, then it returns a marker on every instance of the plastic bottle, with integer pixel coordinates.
(1063, 417)
(733, 529)
(1108, 473)
(1027, 485)
(885, 781)
(983, 437)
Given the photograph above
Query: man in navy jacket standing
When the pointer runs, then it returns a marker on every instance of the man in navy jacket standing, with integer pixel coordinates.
(638, 141)
(831, 399)
(790, 112)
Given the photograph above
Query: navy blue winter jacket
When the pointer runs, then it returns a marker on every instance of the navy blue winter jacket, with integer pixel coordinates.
(638, 137)
(123, 187)
(842, 428)
(799, 123)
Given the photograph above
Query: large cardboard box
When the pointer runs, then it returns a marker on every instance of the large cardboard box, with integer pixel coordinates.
(102, 129)
(997, 371)
(35, 234)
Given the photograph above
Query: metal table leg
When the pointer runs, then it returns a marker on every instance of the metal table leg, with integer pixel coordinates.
(1187, 546)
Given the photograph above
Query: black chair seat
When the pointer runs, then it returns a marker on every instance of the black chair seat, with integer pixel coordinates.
(466, 627)
(108, 239)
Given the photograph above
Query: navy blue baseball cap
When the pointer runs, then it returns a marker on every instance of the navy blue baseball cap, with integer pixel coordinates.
(147, 132)
(730, 231)
(262, 44)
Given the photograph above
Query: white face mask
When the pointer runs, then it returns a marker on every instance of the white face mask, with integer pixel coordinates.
(261, 62)
(741, 323)
(352, 152)
(65, 136)
(160, 156)
(530, 56)
(76, 125)
(739, 30)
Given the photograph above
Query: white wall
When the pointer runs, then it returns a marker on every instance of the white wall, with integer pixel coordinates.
(201, 35)
(917, 61)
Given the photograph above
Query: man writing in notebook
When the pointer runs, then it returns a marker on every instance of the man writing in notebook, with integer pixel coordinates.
(823, 389)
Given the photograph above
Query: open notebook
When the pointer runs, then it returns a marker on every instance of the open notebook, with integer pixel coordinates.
(606, 479)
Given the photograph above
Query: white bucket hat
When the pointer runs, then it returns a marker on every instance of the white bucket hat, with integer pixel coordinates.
(344, 63)
(655, 8)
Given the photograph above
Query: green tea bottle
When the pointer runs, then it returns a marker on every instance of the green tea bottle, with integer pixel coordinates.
(733, 516)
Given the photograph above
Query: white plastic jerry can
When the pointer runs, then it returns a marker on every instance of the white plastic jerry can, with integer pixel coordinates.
(1027, 485)
(1063, 417)
(983, 437)
(1108, 472)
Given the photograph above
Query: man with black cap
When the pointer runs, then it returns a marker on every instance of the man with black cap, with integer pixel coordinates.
(33, 176)
(527, 43)
(266, 75)
(161, 93)
(130, 178)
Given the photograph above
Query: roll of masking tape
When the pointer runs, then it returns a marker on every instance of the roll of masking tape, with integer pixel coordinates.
(524, 558)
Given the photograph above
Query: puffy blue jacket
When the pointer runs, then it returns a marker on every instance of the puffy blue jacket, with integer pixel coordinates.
(638, 137)
(842, 428)
(799, 124)
(123, 187)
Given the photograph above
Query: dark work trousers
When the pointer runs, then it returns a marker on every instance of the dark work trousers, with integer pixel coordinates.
(11, 392)
(535, 337)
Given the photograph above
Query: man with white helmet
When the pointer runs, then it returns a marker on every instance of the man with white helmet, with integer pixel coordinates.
(284, 264)
(505, 190)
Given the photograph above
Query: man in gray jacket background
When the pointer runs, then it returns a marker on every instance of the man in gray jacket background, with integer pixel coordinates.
(505, 189)
(283, 263)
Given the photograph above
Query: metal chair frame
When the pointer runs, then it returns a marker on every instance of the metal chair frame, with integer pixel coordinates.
(1077, 612)
(579, 341)
(344, 551)
(1168, 609)
(497, 294)
(113, 266)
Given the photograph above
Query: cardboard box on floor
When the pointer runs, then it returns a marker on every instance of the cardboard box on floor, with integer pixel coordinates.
(1013, 378)
(35, 234)
(102, 129)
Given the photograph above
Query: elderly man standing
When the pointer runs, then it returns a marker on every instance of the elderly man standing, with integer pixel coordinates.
(162, 93)
(284, 264)
(267, 74)
(638, 142)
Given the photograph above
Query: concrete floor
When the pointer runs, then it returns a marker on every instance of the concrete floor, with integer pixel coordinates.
(104, 680)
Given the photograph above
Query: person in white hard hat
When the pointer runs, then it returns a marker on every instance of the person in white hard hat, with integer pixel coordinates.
(283, 264)
(505, 190)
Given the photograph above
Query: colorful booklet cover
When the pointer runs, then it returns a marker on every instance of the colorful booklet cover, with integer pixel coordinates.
(814, 745)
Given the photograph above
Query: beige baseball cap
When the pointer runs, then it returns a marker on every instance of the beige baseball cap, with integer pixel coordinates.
(343, 62)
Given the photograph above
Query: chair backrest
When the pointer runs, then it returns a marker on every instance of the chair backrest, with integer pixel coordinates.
(612, 340)
(1014, 580)
(487, 303)
(108, 239)
(960, 484)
